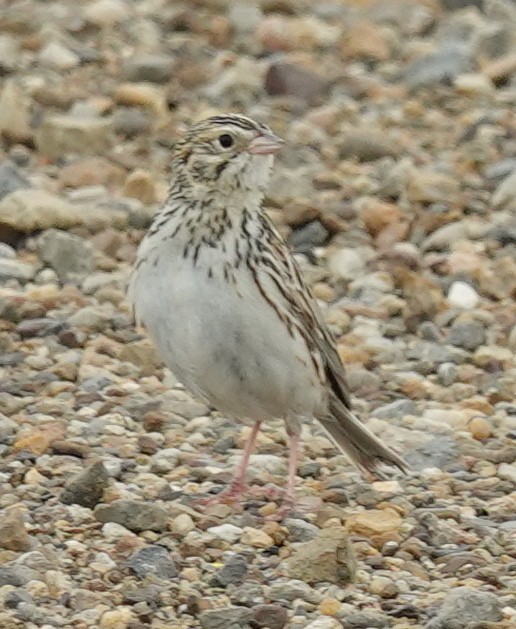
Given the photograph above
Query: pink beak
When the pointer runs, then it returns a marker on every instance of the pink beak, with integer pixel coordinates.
(265, 144)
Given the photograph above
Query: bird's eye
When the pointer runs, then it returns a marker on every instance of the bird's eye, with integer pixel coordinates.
(226, 141)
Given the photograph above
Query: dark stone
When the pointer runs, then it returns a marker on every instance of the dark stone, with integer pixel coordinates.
(154, 560)
(39, 327)
(287, 79)
(272, 616)
(301, 531)
(311, 235)
(87, 488)
(233, 571)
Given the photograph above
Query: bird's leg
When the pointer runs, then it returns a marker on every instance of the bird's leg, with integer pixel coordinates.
(237, 484)
(236, 487)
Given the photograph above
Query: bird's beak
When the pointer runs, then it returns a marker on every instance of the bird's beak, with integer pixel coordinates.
(265, 144)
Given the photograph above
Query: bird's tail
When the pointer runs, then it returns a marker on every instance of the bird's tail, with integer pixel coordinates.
(356, 440)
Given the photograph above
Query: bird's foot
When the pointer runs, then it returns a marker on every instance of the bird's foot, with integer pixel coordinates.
(271, 493)
(231, 494)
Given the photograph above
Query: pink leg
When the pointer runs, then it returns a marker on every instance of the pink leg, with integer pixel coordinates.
(236, 487)
(237, 484)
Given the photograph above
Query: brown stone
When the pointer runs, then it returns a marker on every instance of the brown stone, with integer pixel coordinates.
(328, 557)
(91, 171)
(287, 79)
(13, 535)
(377, 525)
(365, 41)
(39, 441)
(378, 215)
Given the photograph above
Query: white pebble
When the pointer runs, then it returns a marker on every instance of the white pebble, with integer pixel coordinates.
(462, 295)
(227, 532)
(112, 530)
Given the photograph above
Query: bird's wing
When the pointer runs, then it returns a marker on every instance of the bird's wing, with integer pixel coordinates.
(299, 309)
(298, 306)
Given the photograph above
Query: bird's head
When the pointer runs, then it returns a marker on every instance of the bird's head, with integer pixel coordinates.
(227, 154)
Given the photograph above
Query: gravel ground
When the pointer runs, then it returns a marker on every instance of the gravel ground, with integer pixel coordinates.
(396, 189)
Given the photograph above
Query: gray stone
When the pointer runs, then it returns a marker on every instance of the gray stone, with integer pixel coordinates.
(11, 179)
(304, 239)
(439, 67)
(453, 5)
(62, 134)
(467, 334)
(135, 515)
(153, 560)
(447, 374)
(164, 461)
(153, 68)
(505, 194)
(366, 620)
(300, 530)
(440, 451)
(39, 327)
(130, 121)
(31, 613)
(429, 331)
(8, 427)
(91, 318)
(463, 606)
(248, 594)
(234, 570)
(14, 597)
(87, 488)
(290, 590)
(17, 575)
(226, 618)
(501, 169)
(66, 253)
(398, 409)
(328, 557)
(148, 594)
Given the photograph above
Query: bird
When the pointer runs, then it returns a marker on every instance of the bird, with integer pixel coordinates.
(221, 296)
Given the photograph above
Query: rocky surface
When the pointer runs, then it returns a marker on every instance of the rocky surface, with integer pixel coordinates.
(397, 191)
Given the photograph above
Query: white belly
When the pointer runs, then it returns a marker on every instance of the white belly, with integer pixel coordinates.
(224, 342)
